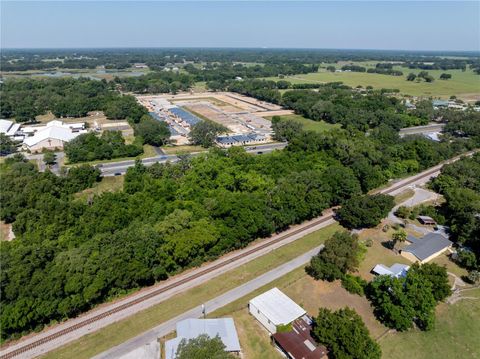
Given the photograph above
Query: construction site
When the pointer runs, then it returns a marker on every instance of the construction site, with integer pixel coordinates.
(243, 116)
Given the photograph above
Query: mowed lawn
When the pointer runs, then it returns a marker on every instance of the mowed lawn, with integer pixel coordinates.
(309, 125)
(465, 85)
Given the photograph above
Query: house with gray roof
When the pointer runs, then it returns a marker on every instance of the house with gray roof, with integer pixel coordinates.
(193, 328)
(426, 248)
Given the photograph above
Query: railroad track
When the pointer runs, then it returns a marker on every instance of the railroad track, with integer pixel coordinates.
(187, 279)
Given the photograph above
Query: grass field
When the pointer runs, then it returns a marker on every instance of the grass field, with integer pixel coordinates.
(117, 333)
(309, 125)
(107, 184)
(465, 85)
(456, 334)
(175, 150)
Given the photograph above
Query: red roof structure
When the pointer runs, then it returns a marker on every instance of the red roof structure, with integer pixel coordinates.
(298, 343)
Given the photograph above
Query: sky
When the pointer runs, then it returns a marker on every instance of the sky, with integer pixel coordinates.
(394, 25)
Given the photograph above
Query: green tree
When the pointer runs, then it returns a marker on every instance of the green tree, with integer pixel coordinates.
(445, 76)
(49, 158)
(411, 76)
(285, 129)
(6, 145)
(153, 132)
(365, 211)
(400, 302)
(204, 133)
(437, 276)
(202, 347)
(345, 334)
(331, 68)
(340, 255)
(399, 236)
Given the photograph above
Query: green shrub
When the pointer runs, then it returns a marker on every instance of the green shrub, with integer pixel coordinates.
(284, 328)
(354, 284)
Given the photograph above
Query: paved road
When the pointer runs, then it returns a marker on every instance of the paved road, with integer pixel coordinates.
(120, 168)
(420, 196)
(433, 127)
(210, 306)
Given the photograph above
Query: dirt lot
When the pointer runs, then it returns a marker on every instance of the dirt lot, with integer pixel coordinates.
(312, 295)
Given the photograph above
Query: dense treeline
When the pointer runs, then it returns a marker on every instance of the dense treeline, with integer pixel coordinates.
(439, 64)
(227, 71)
(337, 103)
(351, 108)
(27, 98)
(68, 255)
(111, 144)
(20, 60)
(459, 182)
(156, 82)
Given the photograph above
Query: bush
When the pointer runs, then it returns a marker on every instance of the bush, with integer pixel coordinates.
(402, 212)
(466, 259)
(354, 284)
(284, 328)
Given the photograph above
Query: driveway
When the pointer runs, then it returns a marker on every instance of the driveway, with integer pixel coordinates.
(421, 195)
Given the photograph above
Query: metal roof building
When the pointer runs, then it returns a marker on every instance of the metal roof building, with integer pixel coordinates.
(425, 249)
(274, 308)
(397, 270)
(51, 137)
(9, 128)
(298, 342)
(189, 118)
(192, 328)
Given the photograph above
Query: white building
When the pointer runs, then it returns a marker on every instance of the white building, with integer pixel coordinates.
(397, 270)
(53, 136)
(193, 328)
(10, 129)
(73, 127)
(274, 308)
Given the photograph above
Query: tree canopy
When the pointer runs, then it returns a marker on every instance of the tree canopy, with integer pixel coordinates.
(365, 211)
(401, 302)
(345, 335)
(340, 255)
(204, 133)
(202, 347)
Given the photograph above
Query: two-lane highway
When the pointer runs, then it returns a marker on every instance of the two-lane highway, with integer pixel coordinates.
(120, 168)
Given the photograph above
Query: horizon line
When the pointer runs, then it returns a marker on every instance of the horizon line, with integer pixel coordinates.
(225, 48)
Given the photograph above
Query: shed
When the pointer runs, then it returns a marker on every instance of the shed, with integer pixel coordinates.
(192, 328)
(426, 220)
(397, 270)
(274, 308)
(426, 248)
(298, 342)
